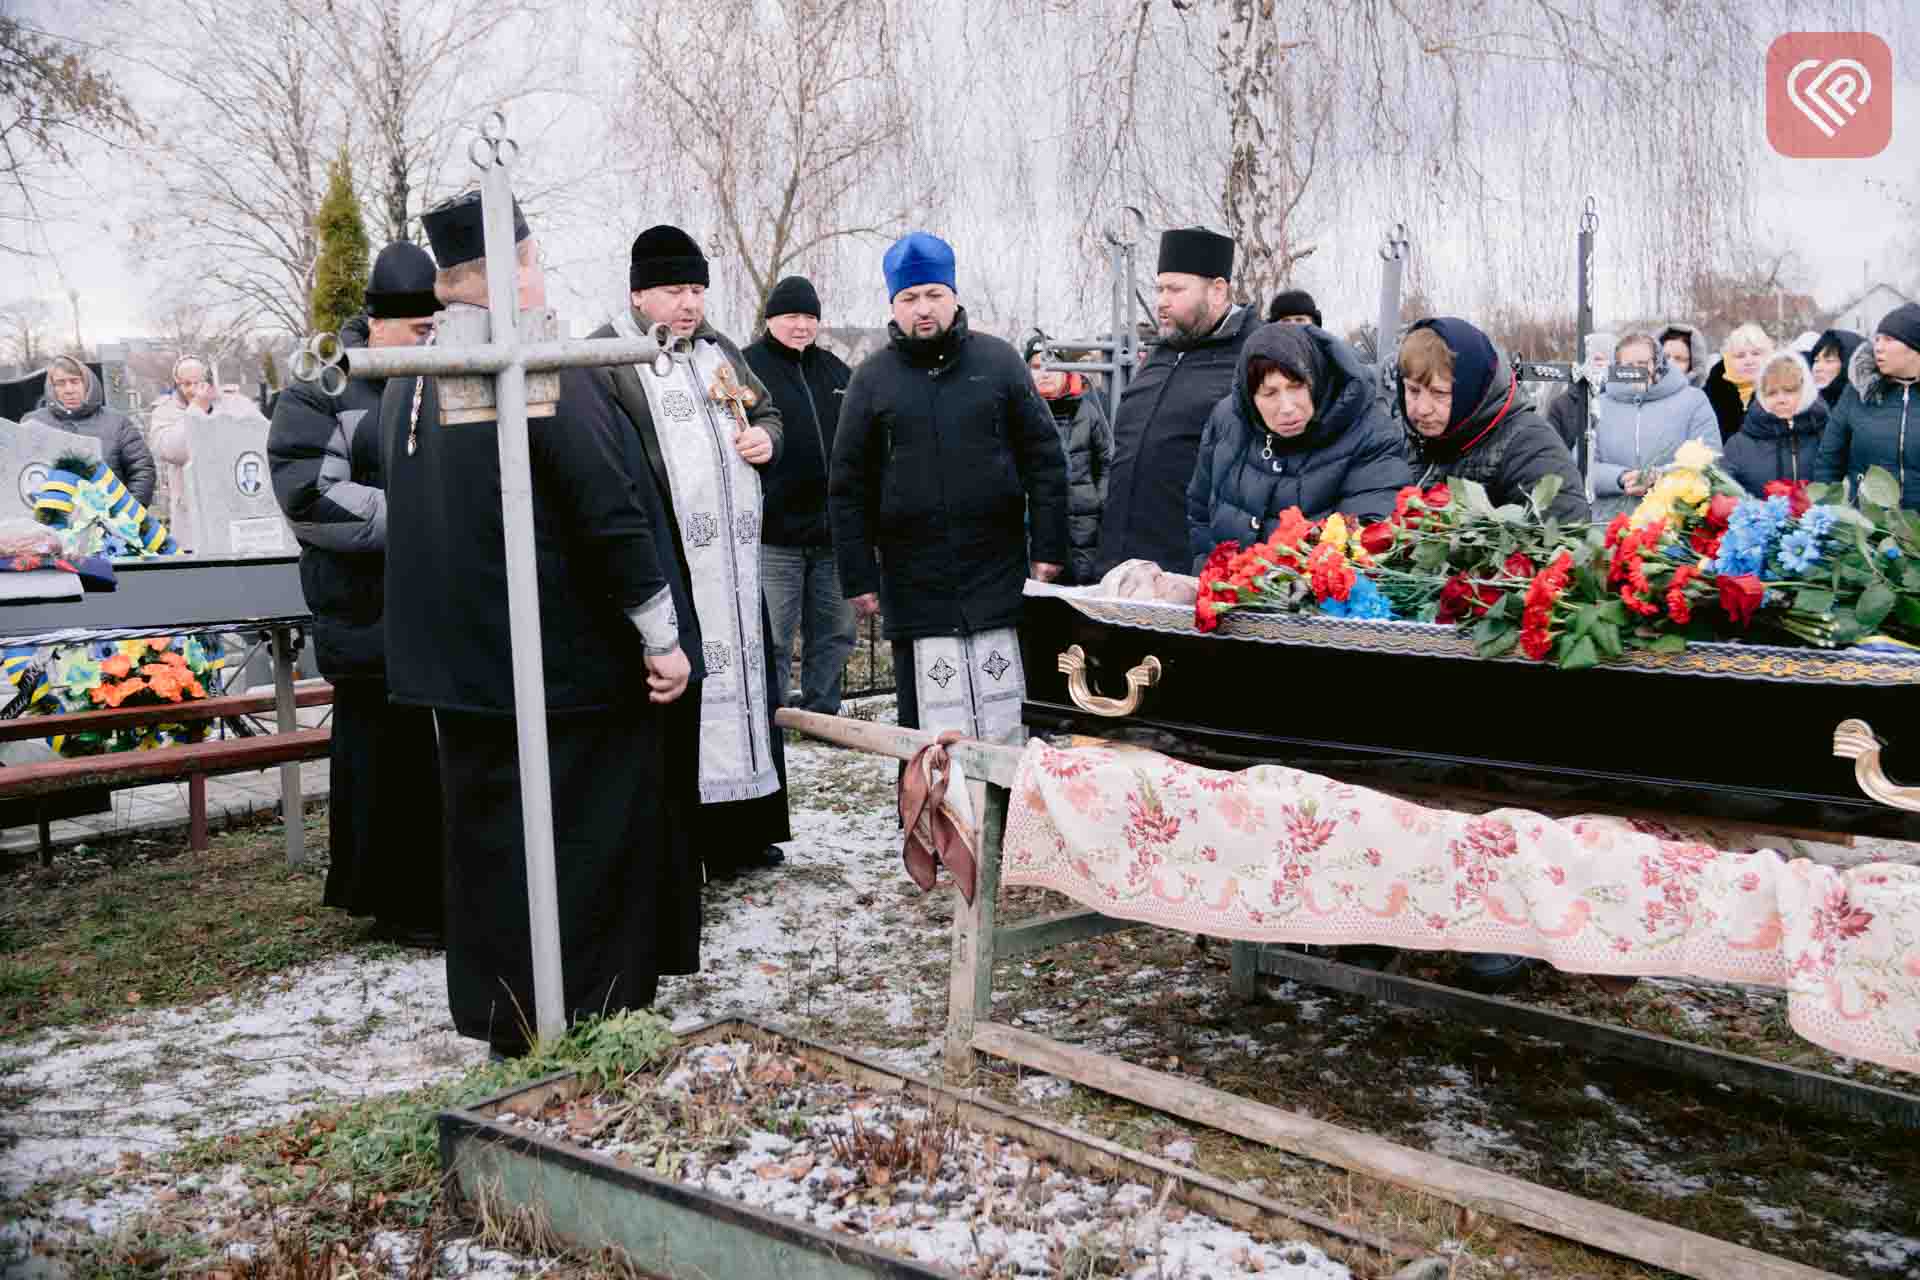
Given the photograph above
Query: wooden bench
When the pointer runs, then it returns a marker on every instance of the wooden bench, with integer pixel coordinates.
(195, 762)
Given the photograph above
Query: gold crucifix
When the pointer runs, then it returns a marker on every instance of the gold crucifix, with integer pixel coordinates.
(728, 390)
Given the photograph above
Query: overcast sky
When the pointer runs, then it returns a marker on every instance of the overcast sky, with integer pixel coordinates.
(1843, 217)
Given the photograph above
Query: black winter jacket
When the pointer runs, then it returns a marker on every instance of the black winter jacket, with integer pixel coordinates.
(324, 452)
(1156, 437)
(1086, 438)
(1876, 424)
(1351, 458)
(1725, 399)
(122, 447)
(942, 443)
(808, 388)
(1509, 460)
(1766, 448)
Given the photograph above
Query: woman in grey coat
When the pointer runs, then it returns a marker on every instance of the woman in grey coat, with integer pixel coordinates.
(1642, 426)
(77, 402)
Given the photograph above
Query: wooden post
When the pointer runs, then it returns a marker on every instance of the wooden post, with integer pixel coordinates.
(970, 978)
(1245, 982)
(197, 812)
(46, 834)
(1570, 1217)
(293, 808)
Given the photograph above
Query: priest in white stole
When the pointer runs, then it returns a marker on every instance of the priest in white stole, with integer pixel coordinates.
(948, 486)
(707, 426)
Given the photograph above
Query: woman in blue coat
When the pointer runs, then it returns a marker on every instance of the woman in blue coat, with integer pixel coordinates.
(1303, 427)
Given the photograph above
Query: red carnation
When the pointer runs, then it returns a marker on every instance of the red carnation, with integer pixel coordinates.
(1794, 491)
(1678, 607)
(1740, 597)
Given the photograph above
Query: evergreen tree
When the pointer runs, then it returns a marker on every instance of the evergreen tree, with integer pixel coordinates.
(340, 273)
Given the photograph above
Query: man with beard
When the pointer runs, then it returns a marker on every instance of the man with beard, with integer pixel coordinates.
(383, 827)
(629, 900)
(944, 445)
(1156, 434)
(706, 427)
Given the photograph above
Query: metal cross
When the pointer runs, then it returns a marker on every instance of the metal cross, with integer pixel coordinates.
(508, 361)
(729, 390)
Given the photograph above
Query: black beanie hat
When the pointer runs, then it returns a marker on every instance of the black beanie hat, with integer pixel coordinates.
(454, 229)
(1293, 302)
(401, 287)
(793, 296)
(1902, 324)
(666, 255)
(1196, 251)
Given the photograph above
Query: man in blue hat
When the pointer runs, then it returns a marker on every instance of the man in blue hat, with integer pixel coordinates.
(945, 464)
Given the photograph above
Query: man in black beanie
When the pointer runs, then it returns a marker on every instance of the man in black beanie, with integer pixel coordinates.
(615, 666)
(1294, 306)
(708, 428)
(1877, 422)
(1156, 433)
(383, 827)
(798, 574)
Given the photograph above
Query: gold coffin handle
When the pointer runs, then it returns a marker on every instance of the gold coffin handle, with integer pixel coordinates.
(1855, 740)
(1074, 663)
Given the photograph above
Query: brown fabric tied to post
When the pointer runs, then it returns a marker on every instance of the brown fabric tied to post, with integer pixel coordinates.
(937, 818)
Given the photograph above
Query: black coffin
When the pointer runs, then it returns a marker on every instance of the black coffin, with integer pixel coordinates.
(1738, 732)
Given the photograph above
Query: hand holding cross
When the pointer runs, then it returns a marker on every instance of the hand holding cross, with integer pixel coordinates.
(752, 443)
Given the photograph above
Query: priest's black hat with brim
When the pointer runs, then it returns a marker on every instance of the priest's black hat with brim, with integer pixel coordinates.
(1196, 251)
(401, 287)
(793, 296)
(666, 255)
(455, 231)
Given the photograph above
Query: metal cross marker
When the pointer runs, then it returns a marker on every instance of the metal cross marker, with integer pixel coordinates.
(508, 361)
(728, 390)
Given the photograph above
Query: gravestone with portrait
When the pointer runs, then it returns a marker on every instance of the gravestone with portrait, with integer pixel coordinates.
(27, 453)
(234, 513)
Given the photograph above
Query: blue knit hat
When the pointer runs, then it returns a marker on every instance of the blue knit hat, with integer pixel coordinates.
(918, 258)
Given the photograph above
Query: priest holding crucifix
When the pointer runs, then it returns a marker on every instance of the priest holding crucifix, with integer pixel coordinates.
(706, 425)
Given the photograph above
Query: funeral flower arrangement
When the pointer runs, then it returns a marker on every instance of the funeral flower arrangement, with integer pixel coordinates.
(86, 503)
(114, 673)
(1698, 559)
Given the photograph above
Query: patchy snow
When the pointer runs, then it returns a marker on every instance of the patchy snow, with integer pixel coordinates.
(1045, 1088)
(1771, 1214)
(1884, 1251)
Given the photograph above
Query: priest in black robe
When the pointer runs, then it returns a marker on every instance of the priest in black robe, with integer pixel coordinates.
(610, 603)
(707, 426)
(383, 827)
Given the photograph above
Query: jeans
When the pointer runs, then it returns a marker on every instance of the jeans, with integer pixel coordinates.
(802, 587)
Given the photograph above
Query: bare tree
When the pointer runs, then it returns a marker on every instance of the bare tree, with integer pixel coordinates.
(237, 182)
(29, 332)
(778, 147)
(53, 96)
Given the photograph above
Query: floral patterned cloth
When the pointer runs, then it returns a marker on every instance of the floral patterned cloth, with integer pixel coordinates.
(1272, 854)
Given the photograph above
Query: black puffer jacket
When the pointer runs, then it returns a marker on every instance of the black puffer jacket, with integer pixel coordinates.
(122, 447)
(1156, 437)
(325, 455)
(1512, 457)
(1086, 438)
(1876, 424)
(1768, 448)
(942, 443)
(1350, 459)
(1725, 399)
(808, 387)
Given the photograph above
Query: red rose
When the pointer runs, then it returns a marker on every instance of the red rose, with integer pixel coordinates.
(1376, 538)
(1740, 597)
(1438, 496)
(1794, 491)
(1518, 566)
(1720, 510)
(1459, 599)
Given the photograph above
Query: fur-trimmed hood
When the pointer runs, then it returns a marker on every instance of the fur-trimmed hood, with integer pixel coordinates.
(1865, 375)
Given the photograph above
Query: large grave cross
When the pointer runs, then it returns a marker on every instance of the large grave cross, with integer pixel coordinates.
(507, 360)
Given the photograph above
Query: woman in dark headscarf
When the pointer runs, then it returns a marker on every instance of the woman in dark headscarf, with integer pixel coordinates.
(1830, 358)
(1303, 427)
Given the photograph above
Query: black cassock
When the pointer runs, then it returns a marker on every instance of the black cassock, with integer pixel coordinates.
(628, 885)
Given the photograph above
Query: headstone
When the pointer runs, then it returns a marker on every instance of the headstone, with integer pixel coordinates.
(231, 492)
(27, 453)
